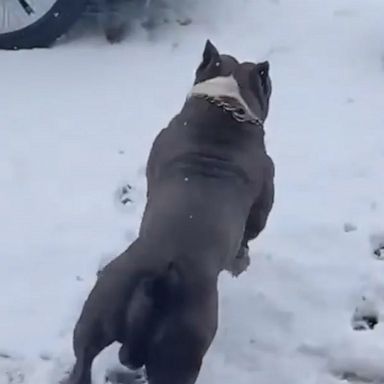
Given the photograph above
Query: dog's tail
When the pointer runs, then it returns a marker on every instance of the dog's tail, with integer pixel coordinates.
(150, 300)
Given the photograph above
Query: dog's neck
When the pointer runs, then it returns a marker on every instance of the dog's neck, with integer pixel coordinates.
(224, 91)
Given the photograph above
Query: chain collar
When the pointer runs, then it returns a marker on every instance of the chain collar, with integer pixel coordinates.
(238, 112)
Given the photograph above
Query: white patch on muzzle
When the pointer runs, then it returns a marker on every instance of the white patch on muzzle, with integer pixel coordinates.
(221, 86)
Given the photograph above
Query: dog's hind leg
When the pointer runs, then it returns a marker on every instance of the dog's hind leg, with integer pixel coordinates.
(177, 350)
(88, 342)
(81, 371)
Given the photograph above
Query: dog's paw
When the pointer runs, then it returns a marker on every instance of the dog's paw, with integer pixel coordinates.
(125, 376)
(240, 263)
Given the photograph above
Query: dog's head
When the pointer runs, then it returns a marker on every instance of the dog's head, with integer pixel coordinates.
(220, 75)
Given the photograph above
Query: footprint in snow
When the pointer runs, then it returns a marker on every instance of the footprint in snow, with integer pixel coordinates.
(5, 355)
(11, 371)
(124, 194)
(129, 196)
(15, 377)
(353, 377)
(377, 244)
(350, 227)
(365, 316)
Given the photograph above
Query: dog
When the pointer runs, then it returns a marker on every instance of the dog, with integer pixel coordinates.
(210, 190)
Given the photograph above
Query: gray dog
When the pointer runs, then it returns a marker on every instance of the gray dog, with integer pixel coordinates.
(210, 191)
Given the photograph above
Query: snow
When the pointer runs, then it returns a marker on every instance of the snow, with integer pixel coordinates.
(77, 123)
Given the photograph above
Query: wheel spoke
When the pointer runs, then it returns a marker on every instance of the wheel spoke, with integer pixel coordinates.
(18, 14)
(26, 6)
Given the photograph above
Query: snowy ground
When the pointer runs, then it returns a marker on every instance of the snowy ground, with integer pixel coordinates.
(76, 125)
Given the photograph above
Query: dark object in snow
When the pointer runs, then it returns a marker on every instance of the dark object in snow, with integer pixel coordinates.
(15, 377)
(366, 322)
(184, 22)
(377, 244)
(365, 315)
(349, 227)
(36, 29)
(379, 252)
(210, 190)
(115, 34)
(114, 20)
(116, 16)
(45, 356)
(124, 194)
(353, 377)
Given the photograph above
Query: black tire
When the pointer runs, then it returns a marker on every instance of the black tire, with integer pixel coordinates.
(47, 29)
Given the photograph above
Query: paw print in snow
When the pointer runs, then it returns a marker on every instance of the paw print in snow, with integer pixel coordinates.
(366, 315)
(349, 227)
(125, 194)
(15, 377)
(379, 253)
(377, 245)
(11, 371)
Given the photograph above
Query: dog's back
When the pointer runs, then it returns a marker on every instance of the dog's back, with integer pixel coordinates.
(210, 190)
(204, 172)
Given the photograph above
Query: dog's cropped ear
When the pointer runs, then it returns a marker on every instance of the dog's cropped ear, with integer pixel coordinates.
(210, 55)
(260, 79)
(209, 67)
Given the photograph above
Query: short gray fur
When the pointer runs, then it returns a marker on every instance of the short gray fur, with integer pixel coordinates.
(210, 191)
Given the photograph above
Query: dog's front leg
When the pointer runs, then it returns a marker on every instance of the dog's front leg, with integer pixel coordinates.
(256, 221)
(81, 371)
(88, 341)
(240, 263)
(260, 210)
(258, 215)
